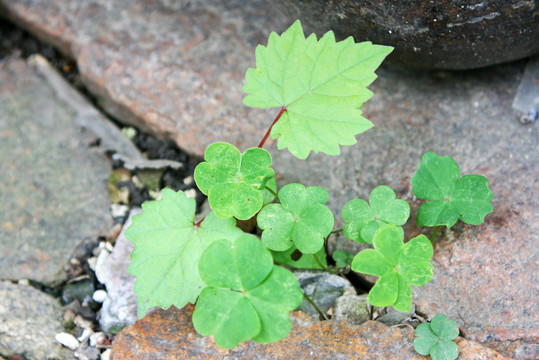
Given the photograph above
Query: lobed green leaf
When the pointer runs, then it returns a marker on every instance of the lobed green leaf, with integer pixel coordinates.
(300, 220)
(397, 264)
(435, 338)
(322, 84)
(247, 296)
(234, 182)
(362, 220)
(296, 259)
(168, 247)
(452, 197)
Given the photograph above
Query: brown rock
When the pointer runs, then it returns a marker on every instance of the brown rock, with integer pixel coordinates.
(170, 334)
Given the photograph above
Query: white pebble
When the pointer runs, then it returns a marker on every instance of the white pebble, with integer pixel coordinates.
(86, 333)
(105, 355)
(99, 296)
(191, 193)
(97, 339)
(67, 340)
(91, 262)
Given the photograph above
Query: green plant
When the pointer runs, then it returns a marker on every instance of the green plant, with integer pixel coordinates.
(436, 338)
(319, 87)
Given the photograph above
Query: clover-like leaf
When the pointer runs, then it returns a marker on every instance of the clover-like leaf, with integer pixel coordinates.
(342, 258)
(436, 338)
(296, 259)
(232, 181)
(397, 264)
(452, 197)
(320, 84)
(362, 220)
(247, 296)
(300, 220)
(168, 247)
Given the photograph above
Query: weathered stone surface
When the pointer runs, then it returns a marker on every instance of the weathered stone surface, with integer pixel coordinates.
(120, 306)
(445, 34)
(53, 187)
(322, 288)
(170, 334)
(29, 321)
(352, 308)
(177, 68)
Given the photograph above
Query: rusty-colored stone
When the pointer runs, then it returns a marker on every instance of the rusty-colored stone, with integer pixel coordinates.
(170, 335)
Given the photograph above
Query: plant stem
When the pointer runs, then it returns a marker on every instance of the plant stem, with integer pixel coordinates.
(434, 234)
(197, 224)
(283, 109)
(336, 231)
(315, 307)
(272, 192)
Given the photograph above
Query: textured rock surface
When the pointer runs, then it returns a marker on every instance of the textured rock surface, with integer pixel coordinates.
(178, 70)
(53, 187)
(444, 34)
(29, 320)
(170, 334)
(352, 308)
(322, 288)
(120, 306)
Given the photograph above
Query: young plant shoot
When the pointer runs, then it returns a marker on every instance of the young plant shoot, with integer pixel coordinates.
(317, 88)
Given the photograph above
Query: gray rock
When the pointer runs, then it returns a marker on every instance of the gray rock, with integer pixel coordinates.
(354, 309)
(394, 317)
(29, 322)
(53, 187)
(441, 34)
(323, 289)
(120, 306)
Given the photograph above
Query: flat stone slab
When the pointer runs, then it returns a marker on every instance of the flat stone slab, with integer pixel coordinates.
(53, 187)
(176, 68)
(170, 334)
(29, 321)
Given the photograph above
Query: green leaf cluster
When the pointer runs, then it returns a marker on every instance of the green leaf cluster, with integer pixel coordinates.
(342, 258)
(168, 247)
(234, 182)
(321, 84)
(398, 265)
(450, 196)
(436, 338)
(247, 296)
(300, 220)
(296, 259)
(363, 220)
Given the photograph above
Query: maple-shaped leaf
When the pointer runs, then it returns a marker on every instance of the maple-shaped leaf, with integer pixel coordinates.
(452, 197)
(247, 296)
(234, 182)
(363, 220)
(168, 247)
(397, 264)
(436, 338)
(300, 220)
(320, 84)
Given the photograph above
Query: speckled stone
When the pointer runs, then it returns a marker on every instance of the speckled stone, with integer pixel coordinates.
(170, 334)
(441, 34)
(177, 69)
(29, 321)
(53, 187)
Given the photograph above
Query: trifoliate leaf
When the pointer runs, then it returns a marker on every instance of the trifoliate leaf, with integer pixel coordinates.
(295, 258)
(168, 247)
(321, 84)
(232, 181)
(342, 258)
(300, 220)
(436, 339)
(363, 220)
(247, 296)
(397, 264)
(452, 197)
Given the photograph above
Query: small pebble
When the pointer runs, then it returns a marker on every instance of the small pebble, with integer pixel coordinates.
(92, 262)
(188, 180)
(98, 339)
(99, 296)
(106, 354)
(118, 210)
(24, 282)
(191, 193)
(68, 340)
(86, 334)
